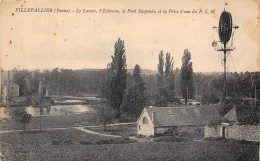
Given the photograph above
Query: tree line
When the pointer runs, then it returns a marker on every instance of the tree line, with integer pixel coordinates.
(127, 93)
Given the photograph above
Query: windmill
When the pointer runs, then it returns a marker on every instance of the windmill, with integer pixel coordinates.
(225, 33)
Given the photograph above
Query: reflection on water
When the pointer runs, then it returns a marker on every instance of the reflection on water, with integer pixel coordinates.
(69, 101)
(49, 110)
(58, 110)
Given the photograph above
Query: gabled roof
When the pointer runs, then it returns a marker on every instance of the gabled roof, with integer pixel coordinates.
(231, 115)
(182, 115)
(5, 83)
(242, 114)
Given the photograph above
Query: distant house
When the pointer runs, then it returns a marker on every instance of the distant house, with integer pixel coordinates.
(154, 120)
(10, 89)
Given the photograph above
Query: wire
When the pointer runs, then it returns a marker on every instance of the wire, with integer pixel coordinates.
(233, 62)
(232, 38)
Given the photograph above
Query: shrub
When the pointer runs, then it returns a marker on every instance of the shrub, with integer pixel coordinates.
(85, 143)
(21, 116)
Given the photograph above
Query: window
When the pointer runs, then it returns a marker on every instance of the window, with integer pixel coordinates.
(145, 120)
(139, 127)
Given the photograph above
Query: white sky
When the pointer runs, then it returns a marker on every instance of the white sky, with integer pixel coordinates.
(87, 40)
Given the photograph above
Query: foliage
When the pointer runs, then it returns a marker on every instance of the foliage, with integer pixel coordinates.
(165, 79)
(210, 98)
(21, 116)
(186, 76)
(134, 98)
(117, 77)
(104, 113)
(37, 99)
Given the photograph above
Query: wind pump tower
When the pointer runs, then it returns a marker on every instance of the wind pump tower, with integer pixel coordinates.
(225, 33)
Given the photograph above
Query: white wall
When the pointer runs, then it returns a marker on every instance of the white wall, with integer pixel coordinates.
(145, 129)
(213, 131)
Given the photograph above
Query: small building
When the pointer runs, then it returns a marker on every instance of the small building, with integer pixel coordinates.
(10, 90)
(13, 90)
(155, 120)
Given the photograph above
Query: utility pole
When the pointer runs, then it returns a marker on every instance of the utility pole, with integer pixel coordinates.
(255, 95)
(187, 95)
(225, 76)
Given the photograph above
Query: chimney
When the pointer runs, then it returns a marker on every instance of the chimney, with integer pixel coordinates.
(153, 116)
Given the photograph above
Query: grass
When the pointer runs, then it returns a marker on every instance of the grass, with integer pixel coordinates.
(69, 145)
(122, 130)
(72, 144)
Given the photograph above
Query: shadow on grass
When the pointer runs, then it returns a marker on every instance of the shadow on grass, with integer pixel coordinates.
(109, 141)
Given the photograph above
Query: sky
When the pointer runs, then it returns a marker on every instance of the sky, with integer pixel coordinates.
(86, 40)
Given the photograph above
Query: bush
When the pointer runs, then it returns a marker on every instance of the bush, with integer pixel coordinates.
(21, 116)
(55, 142)
(210, 98)
(85, 143)
(68, 142)
(171, 132)
(116, 141)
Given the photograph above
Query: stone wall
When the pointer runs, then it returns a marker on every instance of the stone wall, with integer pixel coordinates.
(241, 132)
(244, 132)
(213, 131)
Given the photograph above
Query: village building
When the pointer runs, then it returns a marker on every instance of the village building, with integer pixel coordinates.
(240, 123)
(9, 90)
(155, 120)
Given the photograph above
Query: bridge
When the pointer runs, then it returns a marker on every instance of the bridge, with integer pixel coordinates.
(72, 97)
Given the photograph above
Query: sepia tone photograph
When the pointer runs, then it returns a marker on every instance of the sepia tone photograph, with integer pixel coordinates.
(132, 80)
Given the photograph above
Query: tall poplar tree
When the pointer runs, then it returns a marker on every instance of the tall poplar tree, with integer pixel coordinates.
(186, 76)
(165, 78)
(134, 99)
(117, 70)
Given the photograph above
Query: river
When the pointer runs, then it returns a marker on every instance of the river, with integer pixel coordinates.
(51, 110)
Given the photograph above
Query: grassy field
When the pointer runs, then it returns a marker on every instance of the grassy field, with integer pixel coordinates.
(187, 133)
(72, 144)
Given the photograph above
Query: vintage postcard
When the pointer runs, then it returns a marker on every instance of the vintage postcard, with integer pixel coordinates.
(129, 80)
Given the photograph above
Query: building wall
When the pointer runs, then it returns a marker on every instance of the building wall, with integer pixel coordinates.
(145, 129)
(242, 132)
(212, 131)
(13, 90)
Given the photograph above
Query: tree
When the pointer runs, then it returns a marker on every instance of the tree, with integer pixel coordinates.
(104, 113)
(117, 71)
(134, 98)
(21, 116)
(165, 80)
(186, 76)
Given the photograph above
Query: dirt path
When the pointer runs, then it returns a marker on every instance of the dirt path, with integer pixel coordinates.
(96, 133)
